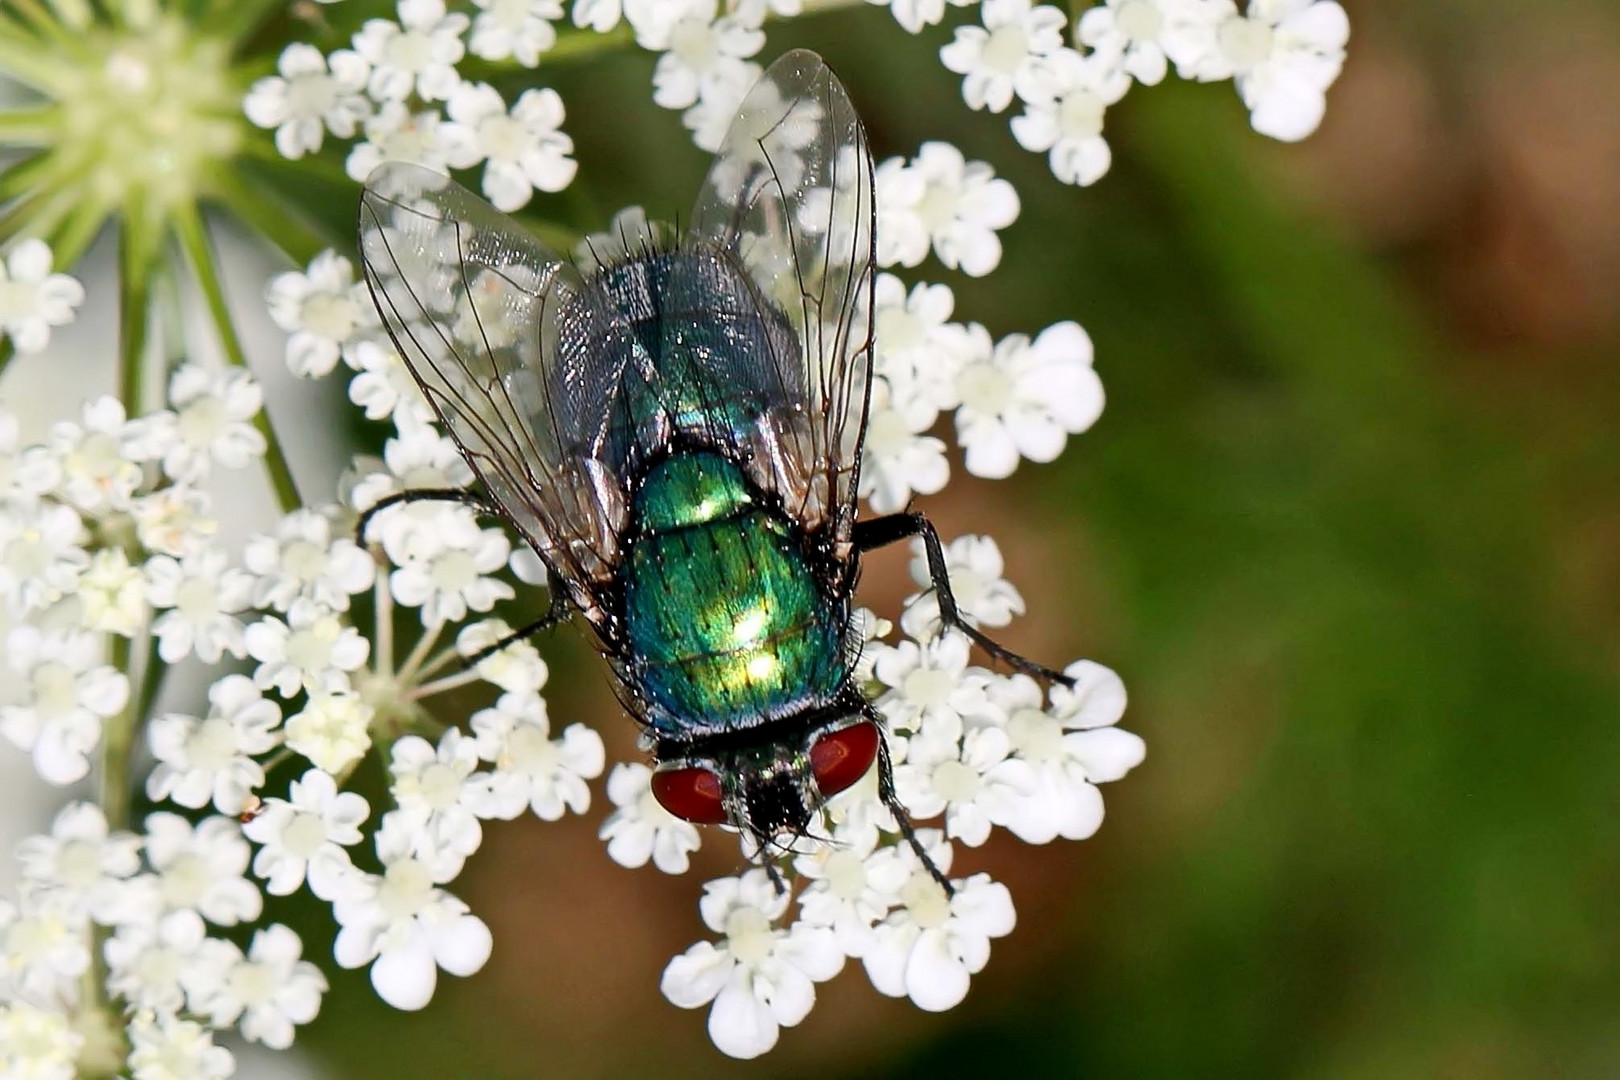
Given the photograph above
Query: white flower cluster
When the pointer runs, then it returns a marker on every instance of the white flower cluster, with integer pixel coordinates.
(971, 747)
(399, 87)
(1281, 54)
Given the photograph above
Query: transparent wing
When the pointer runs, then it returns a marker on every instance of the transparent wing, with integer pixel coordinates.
(789, 198)
(474, 303)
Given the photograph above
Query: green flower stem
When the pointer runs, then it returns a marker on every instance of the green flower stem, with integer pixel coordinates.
(34, 126)
(116, 742)
(384, 611)
(438, 663)
(263, 211)
(134, 294)
(449, 682)
(236, 20)
(419, 653)
(22, 59)
(188, 227)
(76, 14)
(151, 680)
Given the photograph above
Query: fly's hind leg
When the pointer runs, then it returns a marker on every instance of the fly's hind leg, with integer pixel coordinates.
(883, 531)
(892, 801)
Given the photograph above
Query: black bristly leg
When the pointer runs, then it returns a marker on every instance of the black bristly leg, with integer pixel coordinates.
(561, 608)
(455, 495)
(892, 801)
(886, 530)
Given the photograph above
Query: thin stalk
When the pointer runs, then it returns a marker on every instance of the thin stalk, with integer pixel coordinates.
(188, 226)
(32, 126)
(151, 680)
(438, 663)
(28, 64)
(266, 215)
(236, 20)
(116, 741)
(383, 606)
(419, 653)
(74, 13)
(134, 285)
(449, 682)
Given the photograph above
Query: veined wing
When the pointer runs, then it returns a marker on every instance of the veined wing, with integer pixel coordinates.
(473, 303)
(790, 199)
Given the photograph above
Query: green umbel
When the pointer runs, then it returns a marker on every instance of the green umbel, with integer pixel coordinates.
(725, 622)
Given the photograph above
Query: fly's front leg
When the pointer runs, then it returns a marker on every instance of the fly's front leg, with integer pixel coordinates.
(561, 609)
(883, 531)
(455, 495)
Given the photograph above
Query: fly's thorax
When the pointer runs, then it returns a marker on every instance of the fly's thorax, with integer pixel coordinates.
(729, 623)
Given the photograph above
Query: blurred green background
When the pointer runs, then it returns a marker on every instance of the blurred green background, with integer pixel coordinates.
(1350, 530)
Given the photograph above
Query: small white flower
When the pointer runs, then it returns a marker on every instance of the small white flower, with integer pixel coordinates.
(100, 457)
(599, 15)
(212, 422)
(311, 651)
(533, 770)
(80, 866)
(305, 835)
(451, 576)
(520, 29)
(1073, 747)
(930, 684)
(703, 55)
(913, 15)
(38, 1044)
(1001, 56)
(1130, 35)
(517, 669)
(919, 349)
(1281, 54)
(383, 385)
(304, 561)
(983, 596)
(420, 457)
(439, 798)
(1065, 116)
(66, 696)
(711, 118)
(942, 199)
(307, 99)
(152, 964)
(417, 53)
(32, 299)
(201, 868)
(268, 991)
(641, 829)
(168, 1048)
(111, 594)
(175, 520)
(930, 946)
(975, 785)
(406, 927)
(1026, 398)
(332, 731)
(899, 457)
(199, 597)
(522, 150)
(26, 472)
(852, 885)
(760, 978)
(44, 949)
(212, 759)
(41, 554)
(395, 133)
(323, 309)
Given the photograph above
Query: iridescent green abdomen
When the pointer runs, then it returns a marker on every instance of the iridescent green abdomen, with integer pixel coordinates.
(725, 623)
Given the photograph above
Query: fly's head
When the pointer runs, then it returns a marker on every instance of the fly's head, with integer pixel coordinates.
(771, 789)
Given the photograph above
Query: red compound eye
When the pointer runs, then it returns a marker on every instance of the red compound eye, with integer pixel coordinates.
(839, 758)
(691, 794)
